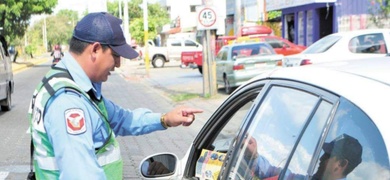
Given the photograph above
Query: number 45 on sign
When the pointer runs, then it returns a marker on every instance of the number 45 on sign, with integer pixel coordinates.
(207, 18)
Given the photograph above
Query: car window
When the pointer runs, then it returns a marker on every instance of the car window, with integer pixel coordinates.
(365, 152)
(368, 43)
(275, 43)
(300, 162)
(322, 45)
(222, 131)
(222, 54)
(175, 42)
(252, 49)
(271, 136)
(224, 138)
(189, 43)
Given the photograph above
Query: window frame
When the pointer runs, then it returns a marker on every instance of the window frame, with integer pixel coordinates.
(218, 121)
(322, 94)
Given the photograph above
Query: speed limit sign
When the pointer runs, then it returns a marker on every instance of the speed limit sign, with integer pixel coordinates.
(207, 18)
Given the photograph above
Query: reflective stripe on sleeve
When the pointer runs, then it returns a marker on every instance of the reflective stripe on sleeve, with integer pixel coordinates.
(47, 163)
(112, 154)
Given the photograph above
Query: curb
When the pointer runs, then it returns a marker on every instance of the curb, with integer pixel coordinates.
(18, 66)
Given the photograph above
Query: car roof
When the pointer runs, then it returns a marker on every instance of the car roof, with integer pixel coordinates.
(360, 31)
(364, 82)
(245, 44)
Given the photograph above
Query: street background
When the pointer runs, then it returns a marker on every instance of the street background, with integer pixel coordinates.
(130, 87)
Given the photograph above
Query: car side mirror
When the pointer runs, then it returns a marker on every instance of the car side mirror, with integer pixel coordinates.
(160, 165)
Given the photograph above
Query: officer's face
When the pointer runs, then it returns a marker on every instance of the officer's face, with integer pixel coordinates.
(108, 60)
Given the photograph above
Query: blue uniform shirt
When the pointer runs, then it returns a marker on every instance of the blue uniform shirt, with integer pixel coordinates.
(75, 151)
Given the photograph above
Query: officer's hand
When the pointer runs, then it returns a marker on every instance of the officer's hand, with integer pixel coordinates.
(157, 168)
(181, 116)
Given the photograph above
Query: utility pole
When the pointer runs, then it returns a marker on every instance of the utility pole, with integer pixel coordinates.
(207, 19)
(237, 19)
(44, 33)
(146, 36)
(120, 8)
(126, 22)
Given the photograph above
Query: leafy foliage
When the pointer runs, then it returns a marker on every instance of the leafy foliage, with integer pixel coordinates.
(15, 15)
(157, 17)
(380, 11)
(274, 14)
(59, 30)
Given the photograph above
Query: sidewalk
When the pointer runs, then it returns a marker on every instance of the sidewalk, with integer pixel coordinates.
(21, 63)
(133, 71)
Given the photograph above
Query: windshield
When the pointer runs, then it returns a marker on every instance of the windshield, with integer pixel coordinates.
(322, 45)
(247, 50)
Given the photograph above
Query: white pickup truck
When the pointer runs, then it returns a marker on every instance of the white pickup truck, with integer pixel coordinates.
(172, 51)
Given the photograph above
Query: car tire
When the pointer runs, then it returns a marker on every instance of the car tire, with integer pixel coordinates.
(200, 69)
(7, 103)
(228, 89)
(158, 62)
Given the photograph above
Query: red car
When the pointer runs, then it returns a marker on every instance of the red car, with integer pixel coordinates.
(280, 45)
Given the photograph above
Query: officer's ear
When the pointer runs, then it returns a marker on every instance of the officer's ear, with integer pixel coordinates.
(94, 49)
(96, 46)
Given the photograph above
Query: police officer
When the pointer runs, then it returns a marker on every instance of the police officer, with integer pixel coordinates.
(73, 125)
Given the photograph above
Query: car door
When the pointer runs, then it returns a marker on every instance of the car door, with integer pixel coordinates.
(175, 47)
(221, 61)
(288, 132)
(274, 127)
(3, 72)
(365, 150)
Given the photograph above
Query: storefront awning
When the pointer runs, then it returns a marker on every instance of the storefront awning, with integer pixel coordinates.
(272, 5)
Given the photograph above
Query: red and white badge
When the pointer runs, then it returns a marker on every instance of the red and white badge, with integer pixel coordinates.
(75, 122)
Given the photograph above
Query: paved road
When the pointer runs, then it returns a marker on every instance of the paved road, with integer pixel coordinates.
(130, 87)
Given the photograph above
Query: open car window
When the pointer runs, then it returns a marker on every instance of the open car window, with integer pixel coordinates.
(216, 141)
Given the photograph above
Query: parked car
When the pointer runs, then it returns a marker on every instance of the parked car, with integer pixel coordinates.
(280, 45)
(6, 76)
(237, 63)
(172, 51)
(343, 45)
(194, 59)
(294, 123)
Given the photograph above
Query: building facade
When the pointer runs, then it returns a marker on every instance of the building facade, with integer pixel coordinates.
(306, 21)
(303, 21)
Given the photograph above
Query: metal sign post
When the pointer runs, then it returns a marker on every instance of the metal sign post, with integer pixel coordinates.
(207, 18)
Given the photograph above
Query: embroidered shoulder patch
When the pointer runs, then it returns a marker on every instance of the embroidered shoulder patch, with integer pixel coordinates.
(75, 122)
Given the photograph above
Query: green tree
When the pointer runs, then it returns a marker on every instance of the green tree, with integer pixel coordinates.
(15, 15)
(60, 27)
(380, 11)
(157, 18)
(59, 30)
(274, 14)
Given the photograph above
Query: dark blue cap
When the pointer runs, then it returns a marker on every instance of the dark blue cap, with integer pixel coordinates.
(106, 29)
(347, 147)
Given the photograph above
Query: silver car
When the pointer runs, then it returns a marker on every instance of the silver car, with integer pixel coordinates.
(237, 63)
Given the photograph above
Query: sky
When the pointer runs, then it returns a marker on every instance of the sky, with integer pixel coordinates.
(81, 6)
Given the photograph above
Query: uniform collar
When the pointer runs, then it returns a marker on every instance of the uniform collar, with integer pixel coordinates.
(79, 76)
